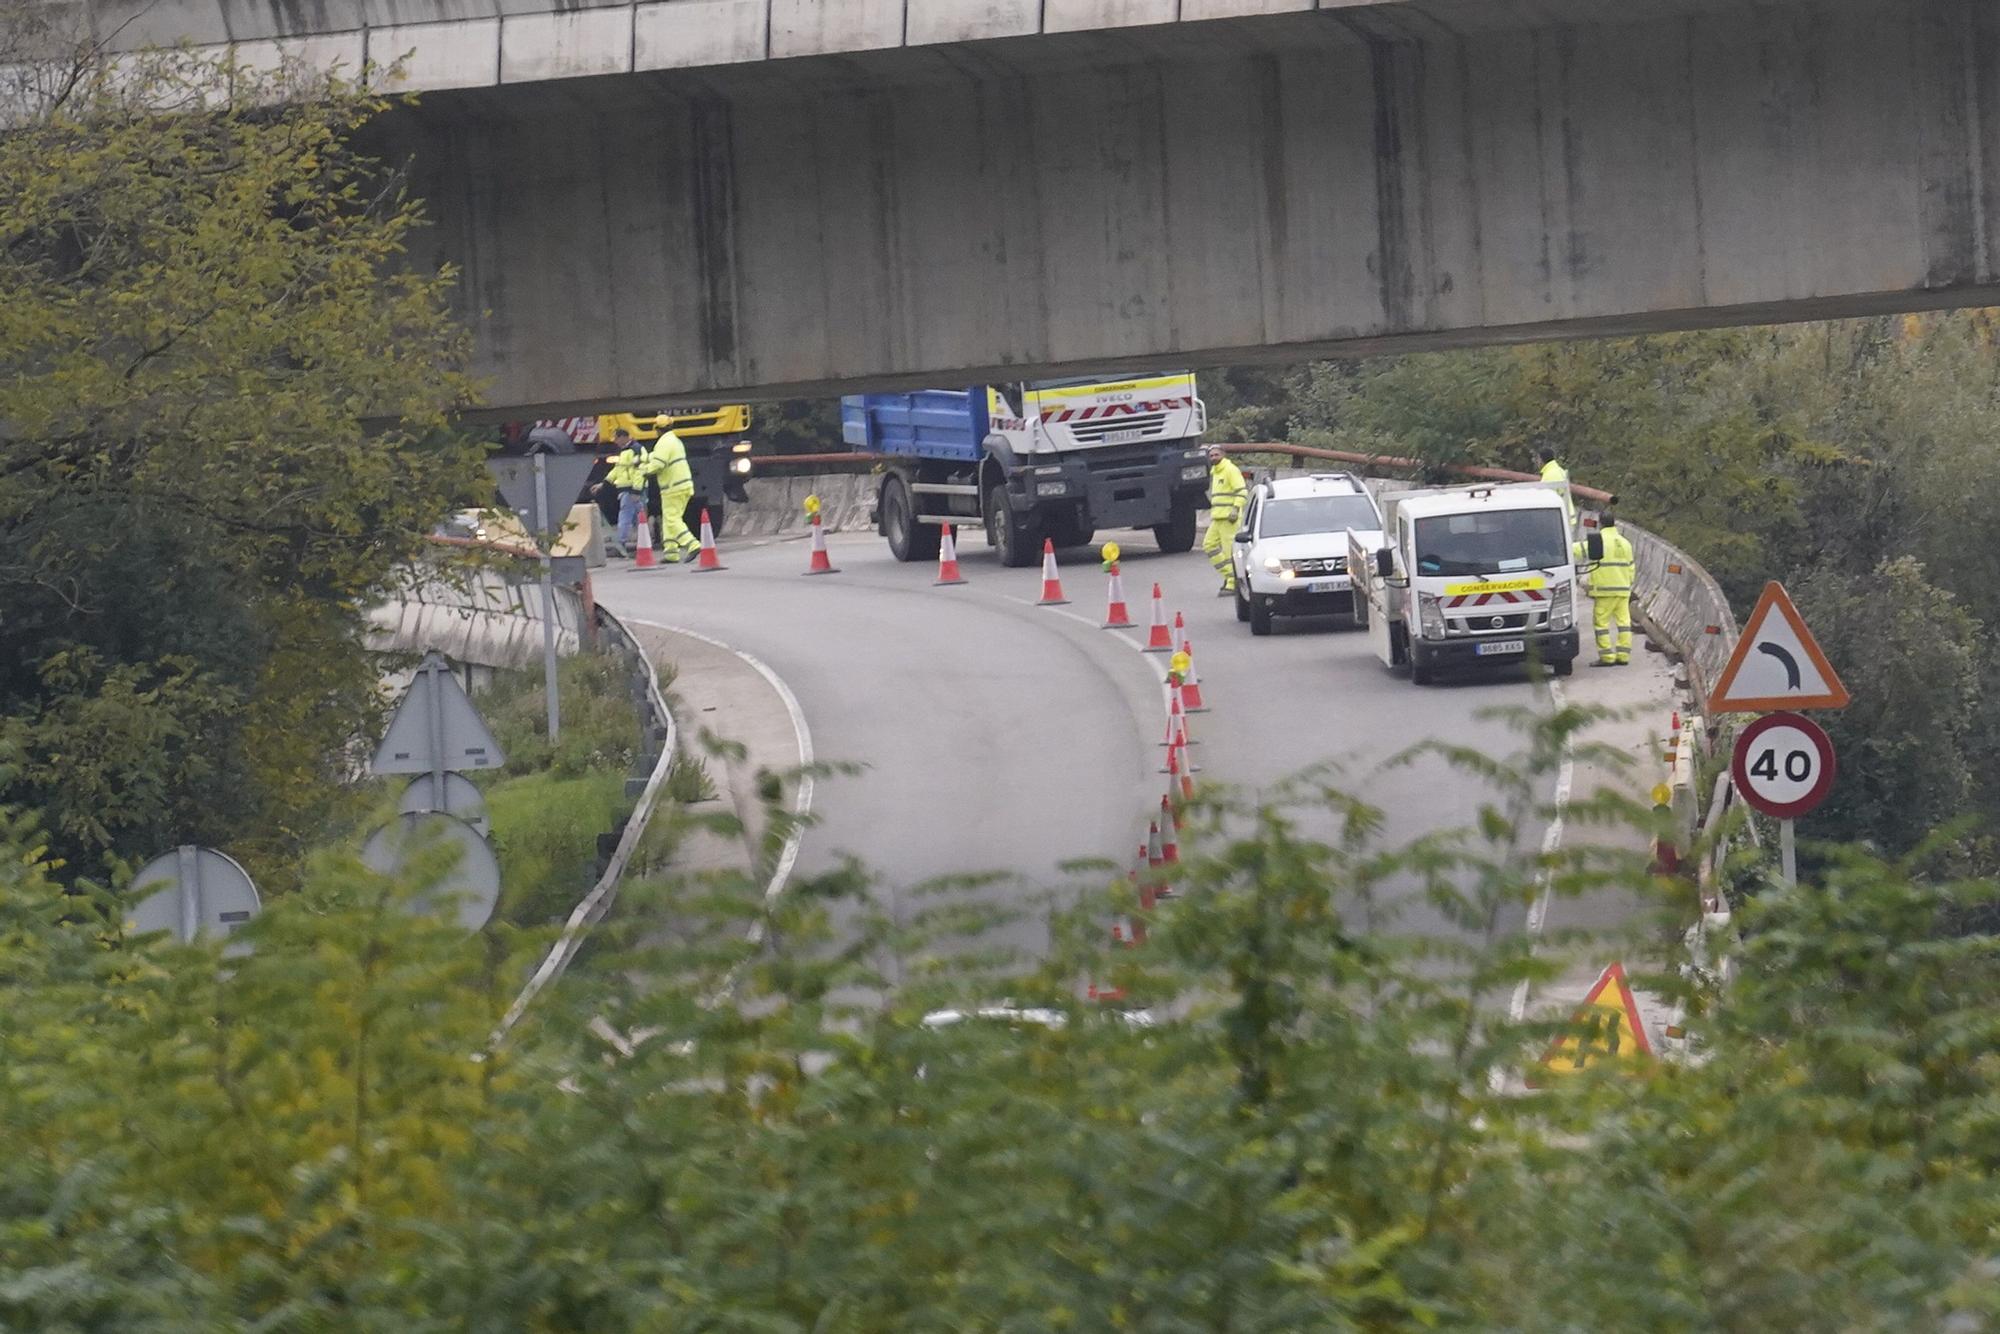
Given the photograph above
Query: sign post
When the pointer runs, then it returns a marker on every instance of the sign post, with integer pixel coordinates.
(1784, 766)
(528, 485)
(1783, 763)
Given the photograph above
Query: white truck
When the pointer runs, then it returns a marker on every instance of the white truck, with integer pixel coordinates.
(1469, 576)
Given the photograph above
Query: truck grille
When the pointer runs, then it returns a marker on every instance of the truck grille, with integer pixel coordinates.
(1126, 460)
(1485, 625)
(1090, 432)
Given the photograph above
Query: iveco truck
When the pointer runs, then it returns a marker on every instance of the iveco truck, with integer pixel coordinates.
(1056, 459)
(1469, 577)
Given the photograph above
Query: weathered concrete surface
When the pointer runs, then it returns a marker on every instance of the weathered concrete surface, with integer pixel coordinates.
(1314, 184)
(758, 197)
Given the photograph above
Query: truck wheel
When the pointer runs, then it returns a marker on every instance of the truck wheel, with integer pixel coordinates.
(1016, 542)
(1069, 530)
(908, 539)
(1177, 533)
(1260, 619)
(1242, 603)
(717, 511)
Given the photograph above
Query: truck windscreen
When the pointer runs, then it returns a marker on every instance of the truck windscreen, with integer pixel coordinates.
(1491, 542)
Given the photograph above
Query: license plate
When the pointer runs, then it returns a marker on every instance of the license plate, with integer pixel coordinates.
(1494, 646)
(1326, 585)
(1120, 437)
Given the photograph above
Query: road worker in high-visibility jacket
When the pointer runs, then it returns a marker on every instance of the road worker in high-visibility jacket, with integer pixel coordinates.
(1556, 475)
(1611, 595)
(668, 463)
(627, 478)
(1227, 496)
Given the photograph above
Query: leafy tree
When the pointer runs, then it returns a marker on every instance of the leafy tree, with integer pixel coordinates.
(222, 399)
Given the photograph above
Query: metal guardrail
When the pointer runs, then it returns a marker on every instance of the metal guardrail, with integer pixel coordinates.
(590, 910)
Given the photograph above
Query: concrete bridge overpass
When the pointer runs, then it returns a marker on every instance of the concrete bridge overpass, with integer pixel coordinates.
(713, 198)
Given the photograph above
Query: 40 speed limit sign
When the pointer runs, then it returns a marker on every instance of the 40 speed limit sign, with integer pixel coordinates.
(1783, 765)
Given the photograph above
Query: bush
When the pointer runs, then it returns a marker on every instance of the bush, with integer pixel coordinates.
(545, 831)
(601, 717)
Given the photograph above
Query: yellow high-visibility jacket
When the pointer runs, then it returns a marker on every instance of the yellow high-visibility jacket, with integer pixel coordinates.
(1227, 492)
(625, 471)
(1613, 575)
(669, 462)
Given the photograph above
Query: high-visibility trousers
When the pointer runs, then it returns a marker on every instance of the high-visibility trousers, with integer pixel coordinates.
(675, 539)
(1613, 616)
(1219, 542)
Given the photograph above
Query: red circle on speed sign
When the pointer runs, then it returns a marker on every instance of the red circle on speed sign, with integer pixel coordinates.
(1783, 765)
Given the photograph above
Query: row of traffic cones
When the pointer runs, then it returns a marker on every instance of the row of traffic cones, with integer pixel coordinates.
(708, 559)
(1151, 877)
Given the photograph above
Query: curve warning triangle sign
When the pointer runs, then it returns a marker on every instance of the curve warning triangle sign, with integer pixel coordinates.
(1777, 664)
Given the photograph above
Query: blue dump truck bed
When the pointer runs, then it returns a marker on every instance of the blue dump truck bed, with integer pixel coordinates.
(929, 424)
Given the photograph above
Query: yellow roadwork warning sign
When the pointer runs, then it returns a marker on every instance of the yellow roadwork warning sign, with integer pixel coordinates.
(1496, 586)
(1606, 1027)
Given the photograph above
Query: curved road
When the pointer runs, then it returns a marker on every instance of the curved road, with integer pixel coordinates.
(1003, 736)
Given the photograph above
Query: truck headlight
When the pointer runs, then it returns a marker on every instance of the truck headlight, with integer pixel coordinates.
(1194, 472)
(1430, 616)
(741, 467)
(740, 447)
(1562, 611)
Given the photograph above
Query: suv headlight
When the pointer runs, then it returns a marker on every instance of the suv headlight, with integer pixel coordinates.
(1562, 609)
(1273, 565)
(1430, 616)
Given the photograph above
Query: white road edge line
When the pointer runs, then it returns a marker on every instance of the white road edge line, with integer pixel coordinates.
(802, 799)
(1552, 839)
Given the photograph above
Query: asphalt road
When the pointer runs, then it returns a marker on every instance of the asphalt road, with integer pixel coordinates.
(1003, 736)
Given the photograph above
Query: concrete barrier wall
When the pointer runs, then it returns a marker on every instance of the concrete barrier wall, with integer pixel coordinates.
(777, 503)
(1684, 605)
(490, 617)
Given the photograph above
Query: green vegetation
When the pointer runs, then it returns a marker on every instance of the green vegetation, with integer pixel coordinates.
(1311, 1132)
(1855, 460)
(550, 804)
(222, 430)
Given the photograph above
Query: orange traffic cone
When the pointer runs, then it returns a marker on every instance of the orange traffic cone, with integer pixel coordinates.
(948, 560)
(643, 558)
(1116, 617)
(710, 558)
(1141, 883)
(1170, 844)
(1158, 639)
(1191, 683)
(1105, 994)
(1178, 776)
(1177, 733)
(1127, 931)
(819, 562)
(1052, 594)
(1155, 856)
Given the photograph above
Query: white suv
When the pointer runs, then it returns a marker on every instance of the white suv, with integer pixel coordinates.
(1291, 552)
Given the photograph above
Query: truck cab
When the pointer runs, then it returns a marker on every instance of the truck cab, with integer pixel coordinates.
(1469, 577)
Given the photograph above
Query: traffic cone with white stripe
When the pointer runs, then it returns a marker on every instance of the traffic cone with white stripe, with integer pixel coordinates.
(1159, 639)
(948, 560)
(1191, 682)
(1052, 594)
(1155, 854)
(1177, 733)
(1116, 617)
(710, 559)
(1170, 839)
(643, 558)
(1178, 776)
(819, 562)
